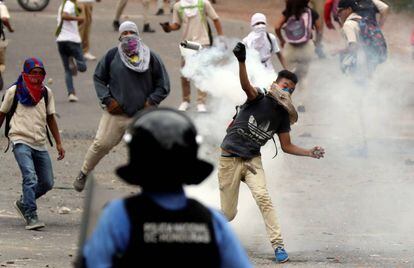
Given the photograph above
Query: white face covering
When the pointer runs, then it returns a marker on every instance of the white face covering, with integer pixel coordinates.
(259, 28)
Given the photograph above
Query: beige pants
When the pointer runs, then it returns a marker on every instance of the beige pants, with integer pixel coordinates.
(120, 6)
(186, 87)
(85, 26)
(110, 132)
(232, 170)
(298, 58)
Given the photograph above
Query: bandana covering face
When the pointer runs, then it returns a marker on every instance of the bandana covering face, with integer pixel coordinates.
(134, 53)
(30, 88)
(284, 99)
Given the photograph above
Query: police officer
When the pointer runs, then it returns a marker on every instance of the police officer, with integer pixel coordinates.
(161, 227)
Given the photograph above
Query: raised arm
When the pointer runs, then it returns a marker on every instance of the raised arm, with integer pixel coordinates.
(240, 53)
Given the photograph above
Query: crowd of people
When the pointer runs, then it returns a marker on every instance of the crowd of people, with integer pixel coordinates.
(131, 81)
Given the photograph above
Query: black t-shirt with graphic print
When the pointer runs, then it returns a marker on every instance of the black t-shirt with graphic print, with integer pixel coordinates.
(256, 122)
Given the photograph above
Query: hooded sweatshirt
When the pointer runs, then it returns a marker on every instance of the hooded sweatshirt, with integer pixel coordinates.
(131, 89)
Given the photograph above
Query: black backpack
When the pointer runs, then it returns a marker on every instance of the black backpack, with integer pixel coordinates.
(11, 112)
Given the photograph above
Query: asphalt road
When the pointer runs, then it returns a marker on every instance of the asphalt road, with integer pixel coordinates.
(351, 209)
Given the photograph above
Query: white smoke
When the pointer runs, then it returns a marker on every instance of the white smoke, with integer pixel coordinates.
(353, 119)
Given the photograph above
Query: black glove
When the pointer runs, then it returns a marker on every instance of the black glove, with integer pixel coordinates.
(240, 52)
(165, 26)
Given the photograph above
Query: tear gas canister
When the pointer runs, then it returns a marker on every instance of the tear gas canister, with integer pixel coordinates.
(191, 45)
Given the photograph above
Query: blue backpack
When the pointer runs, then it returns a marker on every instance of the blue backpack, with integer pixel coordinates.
(373, 40)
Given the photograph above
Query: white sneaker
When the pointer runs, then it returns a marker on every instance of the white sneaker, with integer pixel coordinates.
(72, 98)
(89, 56)
(201, 108)
(184, 106)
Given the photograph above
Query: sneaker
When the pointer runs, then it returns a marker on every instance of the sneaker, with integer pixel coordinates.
(301, 108)
(18, 205)
(33, 223)
(201, 108)
(159, 12)
(148, 29)
(79, 183)
(89, 56)
(115, 24)
(184, 106)
(72, 98)
(281, 254)
(72, 66)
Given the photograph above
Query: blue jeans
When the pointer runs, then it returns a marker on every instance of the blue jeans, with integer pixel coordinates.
(37, 174)
(67, 50)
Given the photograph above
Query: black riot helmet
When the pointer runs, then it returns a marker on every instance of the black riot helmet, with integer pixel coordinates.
(163, 151)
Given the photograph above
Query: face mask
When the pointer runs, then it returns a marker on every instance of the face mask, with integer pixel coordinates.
(288, 90)
(260, 28)
(129, 44)
(34, 79)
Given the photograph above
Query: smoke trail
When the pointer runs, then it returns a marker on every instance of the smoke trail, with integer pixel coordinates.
(358, 122)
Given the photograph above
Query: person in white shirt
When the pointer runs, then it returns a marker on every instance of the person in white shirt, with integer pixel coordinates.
(192, 17)
(86, 6)
(265, 43)
(69, 43)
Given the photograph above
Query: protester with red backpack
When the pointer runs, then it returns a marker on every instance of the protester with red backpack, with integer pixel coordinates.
(297, 22)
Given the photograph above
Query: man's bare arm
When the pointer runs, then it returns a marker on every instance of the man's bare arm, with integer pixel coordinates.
(290, 148)
(217, 25)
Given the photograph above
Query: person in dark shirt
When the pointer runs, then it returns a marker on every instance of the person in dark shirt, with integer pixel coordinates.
(161, 226)
(129, 78)
(265, 113)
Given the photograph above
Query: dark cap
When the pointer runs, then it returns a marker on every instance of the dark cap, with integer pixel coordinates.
(347, 3)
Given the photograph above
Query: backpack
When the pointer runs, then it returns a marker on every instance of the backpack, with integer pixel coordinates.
(299, 31)
(367, 9)
(373, 40)
(202, 12)
(11, 112)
